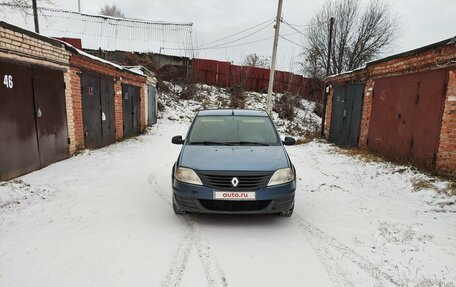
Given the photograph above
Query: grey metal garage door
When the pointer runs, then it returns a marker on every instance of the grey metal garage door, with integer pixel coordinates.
(346, 112)
(131, 110)
(98, 110)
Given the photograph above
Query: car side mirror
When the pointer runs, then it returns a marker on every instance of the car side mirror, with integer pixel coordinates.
(177, 140)
(289, 141)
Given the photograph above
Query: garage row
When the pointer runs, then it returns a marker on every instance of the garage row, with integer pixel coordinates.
(56, 99)
(402, 107)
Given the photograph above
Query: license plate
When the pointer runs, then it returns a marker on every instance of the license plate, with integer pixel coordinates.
(230, 195)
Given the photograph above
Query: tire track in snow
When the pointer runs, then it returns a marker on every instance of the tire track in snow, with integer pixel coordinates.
(176, 270)
(318, 241)
(335, 274)
(192, 238)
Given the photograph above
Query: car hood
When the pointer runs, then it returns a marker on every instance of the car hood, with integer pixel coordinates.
(234, 158)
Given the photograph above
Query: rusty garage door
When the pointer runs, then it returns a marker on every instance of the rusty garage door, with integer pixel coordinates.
(131, 110)
(51, 118)
(98, 110)
(346, 111)
(18, 142)
(406, 117)
(33, 127)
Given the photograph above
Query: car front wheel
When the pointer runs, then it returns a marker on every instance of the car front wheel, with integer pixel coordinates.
(176, 208)
(287, 213)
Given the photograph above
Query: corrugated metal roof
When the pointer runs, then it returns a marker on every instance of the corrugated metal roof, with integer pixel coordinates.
(109, 33)
(72, 49)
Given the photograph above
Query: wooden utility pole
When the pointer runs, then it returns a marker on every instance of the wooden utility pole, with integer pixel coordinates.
(328, 69)
(35, 16)
(273, 60)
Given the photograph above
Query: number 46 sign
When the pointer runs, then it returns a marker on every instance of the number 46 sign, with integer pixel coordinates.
(8, 81)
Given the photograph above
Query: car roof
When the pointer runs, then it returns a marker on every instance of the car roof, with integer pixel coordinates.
(232, 112)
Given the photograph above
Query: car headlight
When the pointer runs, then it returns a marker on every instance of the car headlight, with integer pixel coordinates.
(281, 176)
(187, 175)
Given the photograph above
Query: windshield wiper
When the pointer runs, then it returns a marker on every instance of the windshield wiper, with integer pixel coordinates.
(229, 143)
(211, 143)
(250, 143)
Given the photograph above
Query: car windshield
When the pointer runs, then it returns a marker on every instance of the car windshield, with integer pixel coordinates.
(233, 130)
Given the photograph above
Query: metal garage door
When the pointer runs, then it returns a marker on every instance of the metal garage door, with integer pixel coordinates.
(18, 142)
(152, 101)
(131, 110)
(108, 123)
(346, 111)
(51, 119)
(406, 117)
(98, 110)
(33, 127)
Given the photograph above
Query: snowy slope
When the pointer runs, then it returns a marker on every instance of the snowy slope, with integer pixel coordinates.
(210, 97)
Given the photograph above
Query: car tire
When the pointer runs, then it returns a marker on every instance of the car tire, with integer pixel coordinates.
(287, 213)
(177, 209)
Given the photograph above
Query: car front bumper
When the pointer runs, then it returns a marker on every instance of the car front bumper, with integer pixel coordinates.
(198, 198)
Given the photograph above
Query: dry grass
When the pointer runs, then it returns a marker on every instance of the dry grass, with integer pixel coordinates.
(429, 183)
(161, 106)
(361, 154)
(237, 97)
(450, 189)
(303, 140)
(434, 282)
(421, 183)
(189, 91)
(305, 131)
(285, 106)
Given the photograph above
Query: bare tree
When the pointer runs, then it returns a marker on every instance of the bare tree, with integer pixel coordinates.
(360, 35)
(21, 3)
(113, 11)
(25, 6)
(253, 60)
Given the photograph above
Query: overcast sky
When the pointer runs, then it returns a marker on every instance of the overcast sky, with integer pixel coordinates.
(424, 22)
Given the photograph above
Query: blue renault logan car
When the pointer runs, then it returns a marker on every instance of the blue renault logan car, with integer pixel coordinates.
(233, 161)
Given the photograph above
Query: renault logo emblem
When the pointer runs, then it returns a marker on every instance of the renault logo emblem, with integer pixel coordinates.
(235, 181)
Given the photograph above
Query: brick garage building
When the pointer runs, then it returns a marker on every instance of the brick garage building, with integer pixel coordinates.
(42, 113)
(402, 107)
(151, 92)
(36, 120)
(108, 101)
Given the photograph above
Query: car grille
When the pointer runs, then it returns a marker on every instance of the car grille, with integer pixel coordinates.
(234, 205)
(247, 181)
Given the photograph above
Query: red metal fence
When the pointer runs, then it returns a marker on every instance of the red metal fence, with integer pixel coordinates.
(224, 74)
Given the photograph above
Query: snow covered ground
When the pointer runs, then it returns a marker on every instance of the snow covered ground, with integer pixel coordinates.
(104, 218)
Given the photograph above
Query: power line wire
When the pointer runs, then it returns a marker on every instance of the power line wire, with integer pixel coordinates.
(293, 42)
(237, 45)
(237, 33)
(223, 45)
(309, 25)
(292, 27)
(241, 38)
